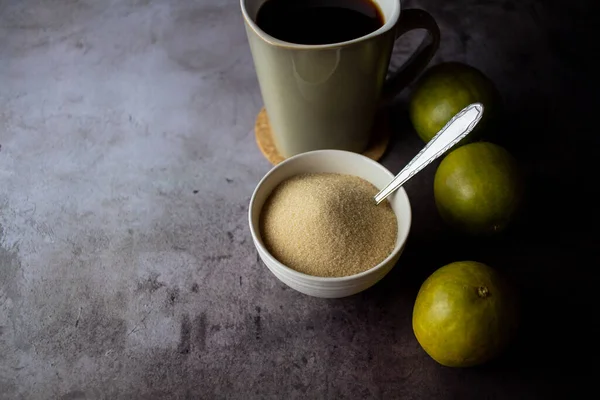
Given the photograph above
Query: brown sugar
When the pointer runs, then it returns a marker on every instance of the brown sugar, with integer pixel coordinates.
(328, 225)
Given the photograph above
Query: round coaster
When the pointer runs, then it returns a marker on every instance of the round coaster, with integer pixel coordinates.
(264, 138)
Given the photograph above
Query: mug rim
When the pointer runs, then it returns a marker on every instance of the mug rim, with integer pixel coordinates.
(388, 25)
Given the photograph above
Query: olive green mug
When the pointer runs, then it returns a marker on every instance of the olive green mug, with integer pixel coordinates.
(326, 96)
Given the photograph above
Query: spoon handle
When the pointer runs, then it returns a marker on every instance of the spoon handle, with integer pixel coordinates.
(455, 130)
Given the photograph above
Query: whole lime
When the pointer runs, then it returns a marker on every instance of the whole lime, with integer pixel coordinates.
(478, 188)
(465, 314)
(443, 91)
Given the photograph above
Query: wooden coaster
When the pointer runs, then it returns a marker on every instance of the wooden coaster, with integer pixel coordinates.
(264, 138)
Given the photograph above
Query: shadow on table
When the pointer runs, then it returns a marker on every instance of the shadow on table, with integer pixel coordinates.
(549, 252)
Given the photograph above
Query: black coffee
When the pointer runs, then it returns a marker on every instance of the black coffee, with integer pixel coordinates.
(319, 21)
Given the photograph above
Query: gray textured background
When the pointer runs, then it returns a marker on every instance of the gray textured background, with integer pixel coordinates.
(118, 280)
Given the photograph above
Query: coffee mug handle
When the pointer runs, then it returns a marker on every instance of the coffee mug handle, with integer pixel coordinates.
(413, 19)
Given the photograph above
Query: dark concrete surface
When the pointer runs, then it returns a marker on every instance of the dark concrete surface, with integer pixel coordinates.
(127, 160)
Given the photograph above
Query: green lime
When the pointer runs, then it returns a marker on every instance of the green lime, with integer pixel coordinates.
(478, 188)
(443, 91)
(465, 314)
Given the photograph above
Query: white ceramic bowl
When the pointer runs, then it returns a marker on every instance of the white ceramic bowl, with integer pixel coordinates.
(332, 161)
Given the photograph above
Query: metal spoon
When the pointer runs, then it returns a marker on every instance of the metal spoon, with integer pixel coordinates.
(455, 130)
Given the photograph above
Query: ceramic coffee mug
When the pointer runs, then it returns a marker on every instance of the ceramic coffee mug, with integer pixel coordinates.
(326, 96)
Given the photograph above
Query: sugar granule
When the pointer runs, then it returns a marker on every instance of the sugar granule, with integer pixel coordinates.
(328, 225)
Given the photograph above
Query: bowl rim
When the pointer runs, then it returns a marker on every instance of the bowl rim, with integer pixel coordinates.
(255, 235)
